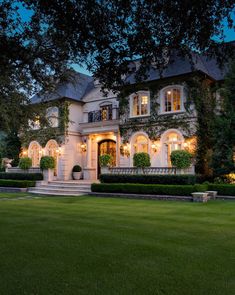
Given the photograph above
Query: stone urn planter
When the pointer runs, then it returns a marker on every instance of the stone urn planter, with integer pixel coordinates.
(77, 172)
(104, 170)
(47, 164)
(48, 175)
(105, 162)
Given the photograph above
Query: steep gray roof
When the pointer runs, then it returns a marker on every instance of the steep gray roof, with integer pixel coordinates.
(179, 65)
(74, 89)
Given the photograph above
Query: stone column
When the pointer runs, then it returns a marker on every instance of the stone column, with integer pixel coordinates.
(117, 149)
(88, 153)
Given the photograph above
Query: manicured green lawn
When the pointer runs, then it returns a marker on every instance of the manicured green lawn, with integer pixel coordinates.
(92, 246)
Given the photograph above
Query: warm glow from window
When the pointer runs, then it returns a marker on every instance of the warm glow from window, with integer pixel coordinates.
(139, 105)
(144, 100)
(141, 144)
(172, 100)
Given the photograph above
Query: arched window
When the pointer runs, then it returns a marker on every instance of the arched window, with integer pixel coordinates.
(172, 141)
(139, 104)
(35, 153)
(141, 144)
(172, 99)
(52, 150)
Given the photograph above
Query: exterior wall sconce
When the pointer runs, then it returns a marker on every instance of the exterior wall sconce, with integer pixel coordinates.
(83, 147)
(58, 151)
(125, 150)
(155, 147)
(25, 152)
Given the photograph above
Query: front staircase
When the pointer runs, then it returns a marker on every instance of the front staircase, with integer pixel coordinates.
(62, 188)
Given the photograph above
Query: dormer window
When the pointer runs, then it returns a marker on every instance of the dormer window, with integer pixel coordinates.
(172, 99)
(139, 104)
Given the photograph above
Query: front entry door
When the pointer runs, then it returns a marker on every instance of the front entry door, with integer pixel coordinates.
(107, 146)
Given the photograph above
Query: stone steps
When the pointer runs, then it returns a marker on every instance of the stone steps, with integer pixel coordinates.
(62, 188)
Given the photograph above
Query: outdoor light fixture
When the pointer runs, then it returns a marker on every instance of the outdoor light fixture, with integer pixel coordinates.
(58, 151)
(125, 149)
(155, 147)
(24, 152)
(83, 147)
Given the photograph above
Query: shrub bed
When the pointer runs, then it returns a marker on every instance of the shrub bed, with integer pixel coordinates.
(223, 189)
(148, 179)
(151, 189)
(16, 183)
(21, 176)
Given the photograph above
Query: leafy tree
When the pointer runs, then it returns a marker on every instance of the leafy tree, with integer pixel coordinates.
(11, 146)
(102, 35)
(224, 127)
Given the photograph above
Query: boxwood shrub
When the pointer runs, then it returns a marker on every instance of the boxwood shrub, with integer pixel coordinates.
(47, 162)
(223, 189)
(25, 163)
(151, 189)
(21, 176)
(16, 183)
(148, 179)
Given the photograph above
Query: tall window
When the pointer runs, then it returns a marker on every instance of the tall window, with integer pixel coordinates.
(173, 142)
(141, 144)
(35, 153)
(172, 100)
(139, 104)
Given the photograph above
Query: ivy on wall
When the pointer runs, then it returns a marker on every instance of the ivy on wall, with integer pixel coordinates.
(46, 132)
(155, 124)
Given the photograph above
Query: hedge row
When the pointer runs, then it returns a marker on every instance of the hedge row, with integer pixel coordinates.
(148, 179)
(16, 183)
(151, 189)
(223, 189)
(21, 176)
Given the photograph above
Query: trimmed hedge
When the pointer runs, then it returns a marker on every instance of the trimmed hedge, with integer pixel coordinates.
(21, 176)
(149, 189)
(223, 189)
(148, 179)
(16, 183)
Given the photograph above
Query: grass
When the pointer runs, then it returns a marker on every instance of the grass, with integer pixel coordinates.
(92, 246)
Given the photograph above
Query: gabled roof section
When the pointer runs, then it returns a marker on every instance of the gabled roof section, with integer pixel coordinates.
(73, 89)
(94, 92)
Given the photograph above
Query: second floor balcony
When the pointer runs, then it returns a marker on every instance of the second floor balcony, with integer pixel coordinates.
(104, 114)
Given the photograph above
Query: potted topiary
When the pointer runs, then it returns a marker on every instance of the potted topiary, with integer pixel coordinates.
(47, 164)
(181, 159)
(141, 160)
(105, 161)
(77, 172)
(25, 163)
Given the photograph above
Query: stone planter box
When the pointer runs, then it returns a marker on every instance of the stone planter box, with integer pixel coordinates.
(212, 194)
(201, 197)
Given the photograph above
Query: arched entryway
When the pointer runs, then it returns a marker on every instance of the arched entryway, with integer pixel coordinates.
(107, 146)
(35, 153)
(51, 149)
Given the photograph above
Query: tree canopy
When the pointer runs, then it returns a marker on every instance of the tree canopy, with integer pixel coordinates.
(39, 38)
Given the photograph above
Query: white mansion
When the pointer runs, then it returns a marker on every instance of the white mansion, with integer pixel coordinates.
(96, 126)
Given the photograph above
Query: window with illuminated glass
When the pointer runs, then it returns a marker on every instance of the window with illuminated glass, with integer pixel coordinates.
(141, 144)
(139, 104)
(172, 100)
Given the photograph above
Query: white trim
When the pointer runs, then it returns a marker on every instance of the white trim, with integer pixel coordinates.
(141, 92)
(162, 99)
